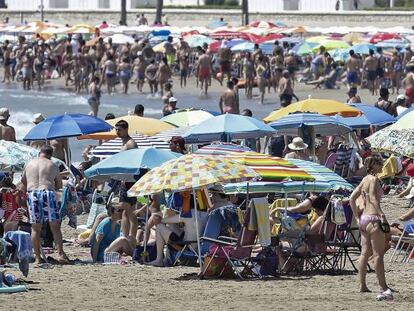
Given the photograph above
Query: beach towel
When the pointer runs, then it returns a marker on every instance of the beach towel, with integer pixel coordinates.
(259, 219)
(23, 243)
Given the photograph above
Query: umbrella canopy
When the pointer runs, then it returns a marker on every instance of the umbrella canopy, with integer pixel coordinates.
(362, 48)
(328, 107)
(267, 48)
(383, 36)
(137, 125)
(405, 112)
(322, 125)
(191, 171)
(372, 116)
(67, 125)
(119, 38)
(395, 141)
(405, 122)
(187, 117)
(221, 148)
(113, 146)
(198, 40)
(304, 48)
(268, 167)
(226, 127)
(331, 44)
(167, 135)
(126, 164)
(14, 156)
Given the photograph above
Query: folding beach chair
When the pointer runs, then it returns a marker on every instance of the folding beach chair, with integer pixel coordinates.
(236, 253)
(405, 243)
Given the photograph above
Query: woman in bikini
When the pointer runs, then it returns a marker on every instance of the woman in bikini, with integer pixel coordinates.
(372, 225)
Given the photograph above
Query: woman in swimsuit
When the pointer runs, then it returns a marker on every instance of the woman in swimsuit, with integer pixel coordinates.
(372, 224)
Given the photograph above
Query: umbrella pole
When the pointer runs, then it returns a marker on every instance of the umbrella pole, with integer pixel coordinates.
(146, 232)
(198, 233)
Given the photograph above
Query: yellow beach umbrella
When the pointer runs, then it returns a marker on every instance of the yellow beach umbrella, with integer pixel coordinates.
(352, 37)
(327, 107)
(137, 125)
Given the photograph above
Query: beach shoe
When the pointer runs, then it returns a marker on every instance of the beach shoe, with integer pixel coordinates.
(385, 295)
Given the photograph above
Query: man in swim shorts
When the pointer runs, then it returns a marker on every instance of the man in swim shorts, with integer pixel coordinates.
(40, 179)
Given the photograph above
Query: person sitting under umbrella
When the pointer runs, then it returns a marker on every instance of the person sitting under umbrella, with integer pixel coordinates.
(299, 149)
(177, 144)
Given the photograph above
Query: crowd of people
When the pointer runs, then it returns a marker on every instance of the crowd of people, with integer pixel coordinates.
(88, 65)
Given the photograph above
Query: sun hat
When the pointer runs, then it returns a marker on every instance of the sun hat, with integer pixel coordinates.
(37, 118)
(4, 113)
(297, 144)
(401, 97)
(172, 100)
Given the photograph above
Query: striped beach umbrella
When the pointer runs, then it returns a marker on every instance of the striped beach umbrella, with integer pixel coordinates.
(114, 146)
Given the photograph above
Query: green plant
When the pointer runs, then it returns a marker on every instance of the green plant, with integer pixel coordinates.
(214, 2)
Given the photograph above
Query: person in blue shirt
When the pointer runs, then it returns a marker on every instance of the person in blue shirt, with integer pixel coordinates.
(107, 231)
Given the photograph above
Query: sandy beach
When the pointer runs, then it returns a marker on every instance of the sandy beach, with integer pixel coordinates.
(130, 287)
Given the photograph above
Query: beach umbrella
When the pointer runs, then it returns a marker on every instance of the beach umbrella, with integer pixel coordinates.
(226, 127)
(14, 156)
(168, 134)
(267, 48)
(383, 36)
(67, 125)
(269, 168)
(331, 44)
(263, 24)
(352, 37)
(216, 24)
(362, 48)
(372, 116)
(198, 40)
(317, 39)
(393, 43)
(408, 110)
(188, 173)
(400, 142)
(321, 124)
(120, 38)
(187, 117)
(113, 146)
(137, 125)
(222, 148)
(328, 107)
(304, 48)
(127, 164)
(405, 122)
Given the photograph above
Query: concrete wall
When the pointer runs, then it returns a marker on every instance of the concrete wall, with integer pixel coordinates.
(195, 17)
(273, 6)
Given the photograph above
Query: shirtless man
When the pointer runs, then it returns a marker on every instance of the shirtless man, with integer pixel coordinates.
(204, 70)
(109, 71)
(60, 149)
(129, 223)
(27, 69)
(286, 89)
(41, 179)
(139, 67)
(94, 96)
(225, 57)
(184, 62)
(163, 74)
(150, 75)
(7, 62)
(370, 67)
(228, 100)
(7, 132)
(124, 69)
(408, 84)
(352, 67)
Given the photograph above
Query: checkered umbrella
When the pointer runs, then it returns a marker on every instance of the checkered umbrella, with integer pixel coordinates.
(191, 171)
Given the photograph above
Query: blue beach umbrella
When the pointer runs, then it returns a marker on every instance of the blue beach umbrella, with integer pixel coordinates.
(67, 125)
(267, 48)
(226, 127)
(372, 116)
(362, 48)
(322, 125)
(126, 164)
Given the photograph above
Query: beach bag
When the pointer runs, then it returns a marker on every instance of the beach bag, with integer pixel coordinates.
(268, 261)
(139, 253)
(338, 213)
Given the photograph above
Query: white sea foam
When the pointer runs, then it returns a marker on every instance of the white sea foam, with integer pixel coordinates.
(22, 122)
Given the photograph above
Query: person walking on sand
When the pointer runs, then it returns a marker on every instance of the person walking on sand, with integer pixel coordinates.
(41, 179)
(204, 71)
(7, 132)
(94, 96)
(372, 224)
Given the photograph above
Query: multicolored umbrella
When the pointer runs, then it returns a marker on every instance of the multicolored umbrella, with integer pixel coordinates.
(393, 140)
(113, 146)
(222, 148)
(191, 171)
(327, 107)
(268, 167)
(187, 117)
